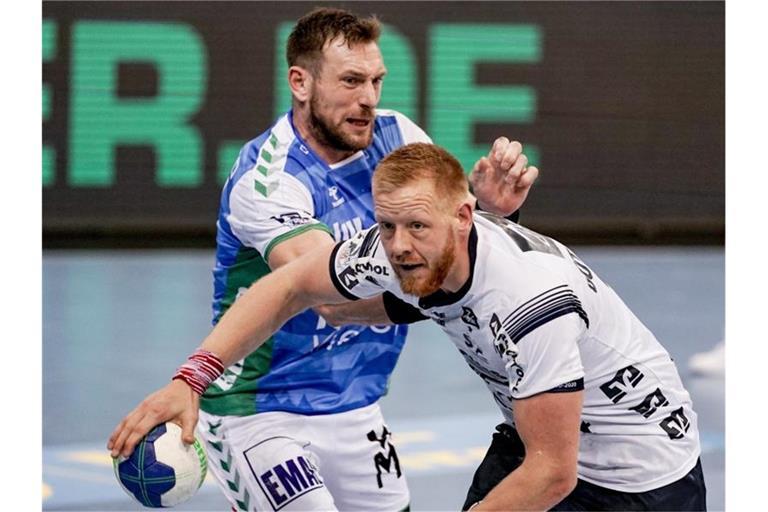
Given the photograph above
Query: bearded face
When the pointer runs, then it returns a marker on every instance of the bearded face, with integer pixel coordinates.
(427, 277)
(337, 97)
(340, 130)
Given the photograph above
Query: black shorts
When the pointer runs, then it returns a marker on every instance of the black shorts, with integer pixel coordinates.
(507, 453)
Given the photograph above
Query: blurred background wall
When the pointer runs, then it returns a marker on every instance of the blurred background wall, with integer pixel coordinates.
(621, 105)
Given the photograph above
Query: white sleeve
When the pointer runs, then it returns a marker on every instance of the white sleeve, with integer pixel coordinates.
(262, 217)
(547, 358)
(359, 268)
(410, 130)
(539, 342)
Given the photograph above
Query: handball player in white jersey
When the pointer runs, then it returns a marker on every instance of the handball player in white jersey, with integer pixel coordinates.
(305, 183)
(596, 415)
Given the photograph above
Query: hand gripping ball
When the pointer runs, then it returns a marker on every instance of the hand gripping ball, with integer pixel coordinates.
(162, 471)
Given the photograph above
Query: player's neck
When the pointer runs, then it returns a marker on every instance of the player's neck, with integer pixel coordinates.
(460, 270)
(328, 154)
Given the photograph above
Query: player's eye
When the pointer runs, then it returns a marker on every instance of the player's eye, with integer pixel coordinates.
(417, 226)
(351, 80)
(386, 226)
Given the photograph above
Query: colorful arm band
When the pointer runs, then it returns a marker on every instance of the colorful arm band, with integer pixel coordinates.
(201, 368)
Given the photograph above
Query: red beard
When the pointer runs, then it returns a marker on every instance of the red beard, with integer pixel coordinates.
(421, 287)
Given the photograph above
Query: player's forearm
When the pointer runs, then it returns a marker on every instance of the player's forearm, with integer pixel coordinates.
(254, 317)
(365, 312)
(538, 484)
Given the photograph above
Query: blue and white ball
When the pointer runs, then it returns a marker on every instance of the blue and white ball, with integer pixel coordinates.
(162, 471)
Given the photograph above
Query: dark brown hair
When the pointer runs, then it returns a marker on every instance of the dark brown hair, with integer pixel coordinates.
(322, 25)
(420, 161)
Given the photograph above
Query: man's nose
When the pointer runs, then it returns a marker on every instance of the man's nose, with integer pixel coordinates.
(369, 96)
(401, 244)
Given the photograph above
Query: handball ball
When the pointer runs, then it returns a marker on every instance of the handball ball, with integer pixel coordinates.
(162, 471)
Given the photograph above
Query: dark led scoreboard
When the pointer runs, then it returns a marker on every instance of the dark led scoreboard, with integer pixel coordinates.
(621, 104)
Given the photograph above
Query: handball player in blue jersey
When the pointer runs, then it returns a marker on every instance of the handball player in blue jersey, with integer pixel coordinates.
(295, 425)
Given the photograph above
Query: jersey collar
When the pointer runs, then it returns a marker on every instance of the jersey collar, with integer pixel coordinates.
(443, 298)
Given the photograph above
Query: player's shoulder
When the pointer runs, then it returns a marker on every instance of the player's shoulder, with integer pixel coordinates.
(522, 297)
(360, 268)
(364, 254)
(385, 113)
(531, 263)
(272, 173)
(364, 244)
(531, 273)
(408, 130)
(516, 239)
(386, 117)
(275, 155)
(266, 148)
(281, 131)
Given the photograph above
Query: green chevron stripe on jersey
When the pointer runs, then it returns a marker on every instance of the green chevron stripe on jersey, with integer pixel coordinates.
(265, 166)
(230, 474)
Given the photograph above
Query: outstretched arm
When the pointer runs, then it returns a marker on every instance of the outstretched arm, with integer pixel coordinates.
(303, 283)
(365, 311)
(264, 308)
(380, 310)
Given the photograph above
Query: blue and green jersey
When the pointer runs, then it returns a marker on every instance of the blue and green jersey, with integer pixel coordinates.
(278, 189)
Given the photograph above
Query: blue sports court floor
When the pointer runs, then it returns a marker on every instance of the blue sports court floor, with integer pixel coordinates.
(116, 325)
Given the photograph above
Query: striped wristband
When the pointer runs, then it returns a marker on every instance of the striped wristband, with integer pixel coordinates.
(201, 368)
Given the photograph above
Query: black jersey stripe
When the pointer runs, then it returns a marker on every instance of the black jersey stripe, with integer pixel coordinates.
(567, 387)
(535, 300)
(544, 318)
(531, 306)
(370, 242)
(533, 312)
(539, 299)
(523, 318)
(542, 309)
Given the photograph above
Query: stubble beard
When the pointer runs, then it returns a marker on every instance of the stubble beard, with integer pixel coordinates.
(421, 287)
(332, 136)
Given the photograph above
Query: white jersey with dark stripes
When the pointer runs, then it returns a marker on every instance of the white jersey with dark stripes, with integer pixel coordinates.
(534, 318)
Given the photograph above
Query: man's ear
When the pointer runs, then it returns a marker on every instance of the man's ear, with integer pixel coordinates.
(300, 82)
(464, 216)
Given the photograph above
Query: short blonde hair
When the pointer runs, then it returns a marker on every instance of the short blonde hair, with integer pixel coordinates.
(419, 161)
